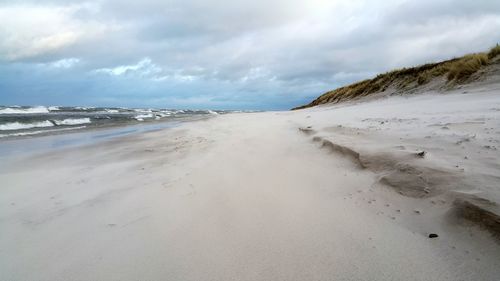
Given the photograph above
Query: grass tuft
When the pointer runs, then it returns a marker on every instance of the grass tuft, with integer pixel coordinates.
(466, 66)
(495, 51)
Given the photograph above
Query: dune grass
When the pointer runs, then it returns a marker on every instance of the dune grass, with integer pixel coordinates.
(457, 70)
(495, 51)
(466, 66)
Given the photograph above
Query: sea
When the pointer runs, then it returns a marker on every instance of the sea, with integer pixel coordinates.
(22, 121)
(33, 128)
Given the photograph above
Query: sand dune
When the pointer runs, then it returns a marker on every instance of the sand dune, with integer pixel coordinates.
(344, 192)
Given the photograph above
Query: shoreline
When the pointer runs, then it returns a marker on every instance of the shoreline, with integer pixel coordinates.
(61, 139)
(263, 196)
(64, 130)
(30, 121)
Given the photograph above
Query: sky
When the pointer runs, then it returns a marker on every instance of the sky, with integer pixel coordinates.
(258, 54)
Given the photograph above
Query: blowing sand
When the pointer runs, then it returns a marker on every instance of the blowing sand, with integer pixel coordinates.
(349, 192)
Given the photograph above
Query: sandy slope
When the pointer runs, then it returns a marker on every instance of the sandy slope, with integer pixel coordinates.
(251, 197)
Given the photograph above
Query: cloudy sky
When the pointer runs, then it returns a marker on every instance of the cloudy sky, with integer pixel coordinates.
(257, 54)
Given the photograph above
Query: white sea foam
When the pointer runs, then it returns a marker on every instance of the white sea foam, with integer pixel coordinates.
(22, 126)
(84, 107)
(162, 114)
(112, 111)
(30, 110)
(53, 108)
(39, 132)
(141, 117)
(141, 110)
(75, 121)
(212, 112)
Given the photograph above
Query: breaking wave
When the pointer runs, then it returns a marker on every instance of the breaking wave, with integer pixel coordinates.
(68, 122)
(40, 132)
(141, 117)
(13, 126)
(20, 110)
(23, 126)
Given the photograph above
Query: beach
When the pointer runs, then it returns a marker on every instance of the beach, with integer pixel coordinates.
(351, 191)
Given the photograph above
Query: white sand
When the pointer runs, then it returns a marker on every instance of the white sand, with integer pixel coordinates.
(250, 197)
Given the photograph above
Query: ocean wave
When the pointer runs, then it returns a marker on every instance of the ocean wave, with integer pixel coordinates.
(212, 112)
(142, 110)
(84, 107)
(39, 132)
(54, 108)
(29, 110)
(76, 121)
(162, 114)
(23, 126)
(112, 110)
(141, 117)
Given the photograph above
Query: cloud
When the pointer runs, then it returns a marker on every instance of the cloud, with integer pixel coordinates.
(144, 68)
(64, 63)
(214, 52)
(28, 31)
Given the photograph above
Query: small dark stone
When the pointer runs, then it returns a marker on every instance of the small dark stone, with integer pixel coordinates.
(433, 235)
(420, 154)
